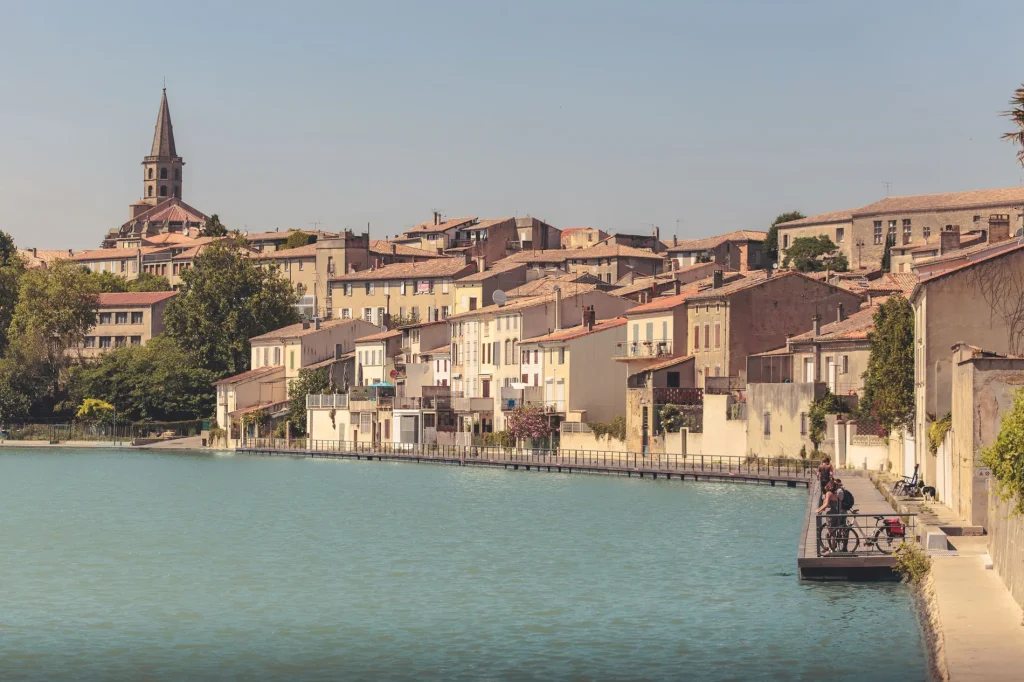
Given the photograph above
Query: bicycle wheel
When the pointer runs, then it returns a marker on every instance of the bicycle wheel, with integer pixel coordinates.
(827, 539)
(885, 542)
(851, 540)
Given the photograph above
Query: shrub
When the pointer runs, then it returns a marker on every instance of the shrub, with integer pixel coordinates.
(912, 562)
(502, 439)
(1005, 457)
(671, 418)
(938, 430)
(616, 428)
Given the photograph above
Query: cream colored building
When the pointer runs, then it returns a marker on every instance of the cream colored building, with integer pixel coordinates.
(558, 372)
(375, 357)
(476, 289)
(424, 291)
(126, 319)
(580, 237)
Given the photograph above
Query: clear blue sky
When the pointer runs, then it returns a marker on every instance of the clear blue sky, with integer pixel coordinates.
(616, 115)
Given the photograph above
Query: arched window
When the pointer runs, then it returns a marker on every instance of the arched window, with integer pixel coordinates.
(515, 351)
(151, 190)
(177, 174)
(175, 190)
(150, 173)
(163, 173)
(163, 190)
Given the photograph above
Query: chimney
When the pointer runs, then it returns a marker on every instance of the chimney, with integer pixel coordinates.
(394, 249)
(677, 287)
(558, 307)
(70, 253)
(440, 251)
(998, 227)
(305, 324)
(437, 218)
(840, 313)
(589, 317)
(34, 253)
(816, 324)
(657, 238)
(316, 323)
(716, 279)
(481, 264)
(675, 241)
(949, 240)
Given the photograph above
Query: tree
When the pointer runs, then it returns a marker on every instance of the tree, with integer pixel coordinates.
(94, 409)
(149, 282)
(771, 240)
(213, 227)
(109, 283)
(297, 238)
(890, 241)
(814, 254)
(154, 382)
(820, 408)
(889, 380)
(308, 381)
(527, 423)
(1016, 114)
(11, 270)
(1005, 457)
(397, 321)
(671, 418)
(225, 299)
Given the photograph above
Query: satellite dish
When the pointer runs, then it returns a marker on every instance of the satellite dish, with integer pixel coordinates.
(775, 266)
(499, 297)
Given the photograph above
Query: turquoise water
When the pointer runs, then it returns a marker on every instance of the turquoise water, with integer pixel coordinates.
(128, 566)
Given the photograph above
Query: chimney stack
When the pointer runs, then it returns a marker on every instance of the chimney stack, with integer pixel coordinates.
(70, 253)
(481, 264)
(716, 279)
(816, 324)
(394, 249)
(949, 240)
(840, 313)
(305, 324)
(675, 241)
(34, 252)
(316, 323)
(558, 307)
(677, 287)
(998, 227)
(589, 317)
(437, 218)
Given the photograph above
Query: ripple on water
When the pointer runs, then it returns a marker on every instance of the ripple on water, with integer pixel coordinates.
(166, 566)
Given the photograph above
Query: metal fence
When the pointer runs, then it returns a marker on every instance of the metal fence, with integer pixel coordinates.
(849, 535)
(91, 431)
(766, 467)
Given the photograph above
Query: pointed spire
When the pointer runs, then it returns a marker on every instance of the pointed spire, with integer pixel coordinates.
(163, 135)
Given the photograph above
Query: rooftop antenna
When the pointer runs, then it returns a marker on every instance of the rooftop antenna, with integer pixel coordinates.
(888, 186)
(315, 224)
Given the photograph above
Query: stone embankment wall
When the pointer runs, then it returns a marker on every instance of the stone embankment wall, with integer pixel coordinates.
(1006, 545)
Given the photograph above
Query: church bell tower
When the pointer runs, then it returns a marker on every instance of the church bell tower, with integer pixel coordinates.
(163, 169)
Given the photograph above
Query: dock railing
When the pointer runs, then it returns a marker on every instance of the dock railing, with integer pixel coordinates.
(766, 467)
(858, 535)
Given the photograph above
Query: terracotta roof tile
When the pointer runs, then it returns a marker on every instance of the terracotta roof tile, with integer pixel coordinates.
(382, 247)
(706, 243)
(449, 224)
(1014, 246)
(569, 283)
(663, 303)
(380, 336)
(856, 326)
(112, 254)
(253, 374)
(135, 298)
(820, 219)
(578, 331)
(946, 201)
(307, 251)
(499, 268)
(662, 364)
(294, 331)
(438, 267)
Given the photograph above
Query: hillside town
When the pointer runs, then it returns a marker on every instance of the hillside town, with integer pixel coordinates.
(746, 343)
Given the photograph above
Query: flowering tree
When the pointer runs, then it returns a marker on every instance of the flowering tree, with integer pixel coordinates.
(527, 423)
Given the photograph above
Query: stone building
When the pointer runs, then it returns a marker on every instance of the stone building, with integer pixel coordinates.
(740, 251)
(909, 220)
(125, 319)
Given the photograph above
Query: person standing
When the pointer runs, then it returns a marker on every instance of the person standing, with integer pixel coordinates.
(825, 472)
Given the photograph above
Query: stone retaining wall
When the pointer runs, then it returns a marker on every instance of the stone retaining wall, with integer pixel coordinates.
(1006, 545)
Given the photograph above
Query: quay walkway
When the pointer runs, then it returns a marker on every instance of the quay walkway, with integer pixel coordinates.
(765, 470)
(866, 553)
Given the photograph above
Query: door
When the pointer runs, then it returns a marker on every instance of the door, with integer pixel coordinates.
(549, 391)
(830, 364)
(560, 396)
(485, 387)
(809, 370)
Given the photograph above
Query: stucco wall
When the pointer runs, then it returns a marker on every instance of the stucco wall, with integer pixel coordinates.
(784, 403)
(588, 441)
(1006, 545)
(721, 436)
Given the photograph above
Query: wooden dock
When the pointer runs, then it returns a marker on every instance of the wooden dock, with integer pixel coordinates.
(671, 467)
(868, 563)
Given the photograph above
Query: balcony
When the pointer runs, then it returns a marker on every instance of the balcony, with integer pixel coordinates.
(337, 401)
(474, 404)
(656, 348)
(678, 396)
(511, 398)
(548, 406)
(723, 385)
(427, 402)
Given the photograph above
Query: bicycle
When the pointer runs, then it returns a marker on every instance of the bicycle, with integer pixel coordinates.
(844, 538)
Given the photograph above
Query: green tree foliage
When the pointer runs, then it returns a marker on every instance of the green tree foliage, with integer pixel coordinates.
(890, 241)
(671, 418)
(1016, 114)
(297, 238)
(399, 321)
(308, 381)
(11, 270)
(109, 283)
(1005, 457)
(827, 404)
(155, 382)
(94, 409)
(149, 282)
(225, 299)
(889, 380)
(771, 240)
(616, 428)
(814, 254)
(213, 227)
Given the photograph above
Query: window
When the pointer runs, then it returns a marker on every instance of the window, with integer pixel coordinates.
(90, 342)
(878, 231)
(348, 288)
(561, 356)
(150, 190)
(277, 357)
(104, 342)
(526, 357)
(444, 312)
(120, 341)
(803, 423)
(649, 329)
(696, 337)
(380, 316)
(177, 174)
(163, 190)
(368, 288)
(105, 318)
(977, 218)
(845, 364)
(368, 314)
(767, 424)
(907, 233)
(536, 357)
(136, 340)
(120, 318)
(926, 231)
(508, 351)
(785, 241)
(301, 264)
(840, 235)
(718, 335)
(360, 357)
(150, 173)
(163, 173)
(636, 332)
(346, 313)
(892, 229)
(707, 337)
(291, 359)
(672, 379)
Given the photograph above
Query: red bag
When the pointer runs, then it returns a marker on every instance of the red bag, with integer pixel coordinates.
(895, 527)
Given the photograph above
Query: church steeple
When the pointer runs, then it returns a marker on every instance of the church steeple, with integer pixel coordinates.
(162, 170)
(163, 136)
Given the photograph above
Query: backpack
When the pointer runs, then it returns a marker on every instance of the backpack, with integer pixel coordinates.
(846, 501)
